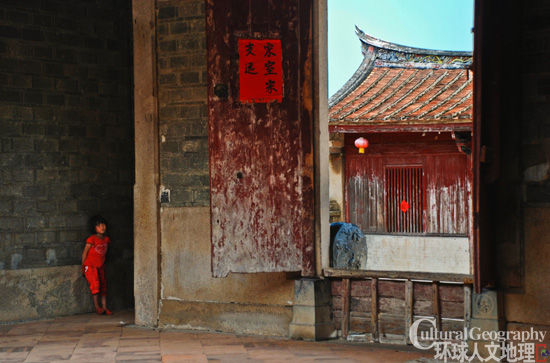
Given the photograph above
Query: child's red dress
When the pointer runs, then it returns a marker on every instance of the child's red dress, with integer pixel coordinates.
(94, 269)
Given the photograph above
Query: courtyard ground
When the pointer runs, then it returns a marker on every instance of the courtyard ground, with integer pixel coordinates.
(93, 338)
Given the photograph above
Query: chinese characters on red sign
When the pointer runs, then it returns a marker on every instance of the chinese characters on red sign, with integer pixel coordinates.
(260, 70)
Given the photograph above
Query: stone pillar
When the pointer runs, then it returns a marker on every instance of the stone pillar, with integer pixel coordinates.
(486, 316)
(311, 318)
(146, 204)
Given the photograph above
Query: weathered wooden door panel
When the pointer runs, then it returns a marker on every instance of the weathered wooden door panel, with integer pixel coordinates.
(261, 172)
(365, 193)
(448, 194)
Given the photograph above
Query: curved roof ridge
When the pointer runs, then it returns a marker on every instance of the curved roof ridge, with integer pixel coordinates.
(370, 40)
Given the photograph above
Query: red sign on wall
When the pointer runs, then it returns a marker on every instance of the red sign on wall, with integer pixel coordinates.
(260, 70)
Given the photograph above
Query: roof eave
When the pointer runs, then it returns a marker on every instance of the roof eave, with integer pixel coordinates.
(356, 79)
(463, 125)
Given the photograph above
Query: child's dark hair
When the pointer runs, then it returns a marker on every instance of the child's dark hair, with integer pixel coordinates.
(95, 221)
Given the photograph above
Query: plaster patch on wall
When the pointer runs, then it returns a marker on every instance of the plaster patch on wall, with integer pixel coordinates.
(418, 253)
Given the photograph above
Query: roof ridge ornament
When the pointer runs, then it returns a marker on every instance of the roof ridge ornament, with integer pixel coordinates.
(396, 55)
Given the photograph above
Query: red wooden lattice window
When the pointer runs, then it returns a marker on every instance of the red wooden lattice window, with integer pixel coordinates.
(404, 199)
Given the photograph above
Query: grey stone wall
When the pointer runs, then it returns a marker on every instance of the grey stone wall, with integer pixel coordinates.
(183, 113)
(66, 133)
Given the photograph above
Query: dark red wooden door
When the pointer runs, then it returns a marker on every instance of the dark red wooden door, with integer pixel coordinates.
(261, 172)
(426, 172)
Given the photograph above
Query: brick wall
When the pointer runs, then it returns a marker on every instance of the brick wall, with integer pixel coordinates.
(182, 102)
(66, 130)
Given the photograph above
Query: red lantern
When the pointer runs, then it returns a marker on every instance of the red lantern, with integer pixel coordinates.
(361, 143)
(404, 206)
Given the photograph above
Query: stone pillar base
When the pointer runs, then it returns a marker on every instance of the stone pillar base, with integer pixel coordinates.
(311, 313)
(486, 317)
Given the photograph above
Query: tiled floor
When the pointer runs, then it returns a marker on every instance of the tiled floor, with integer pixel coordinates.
(93, 338)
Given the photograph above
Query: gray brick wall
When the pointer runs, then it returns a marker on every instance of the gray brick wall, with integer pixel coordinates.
(182, 102)
(66, 131)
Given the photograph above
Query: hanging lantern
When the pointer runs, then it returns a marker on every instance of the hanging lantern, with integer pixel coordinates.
(404, 206)
(361, 143)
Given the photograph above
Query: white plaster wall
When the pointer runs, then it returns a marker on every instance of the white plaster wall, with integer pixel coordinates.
(418, 253)
(336, 187)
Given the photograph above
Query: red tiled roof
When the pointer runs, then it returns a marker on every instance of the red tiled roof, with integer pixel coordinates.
(400, 85)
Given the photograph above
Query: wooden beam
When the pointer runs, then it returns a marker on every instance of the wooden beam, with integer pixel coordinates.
(405, 275)
(436, 310)
(321, 135)
(374, 308)
(346, 295)
(386, 127)
(409, 306)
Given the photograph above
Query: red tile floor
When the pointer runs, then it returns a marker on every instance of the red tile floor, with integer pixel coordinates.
(93, 338)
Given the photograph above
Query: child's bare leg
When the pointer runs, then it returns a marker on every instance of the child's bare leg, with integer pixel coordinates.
(96, 301)
(98, 309)
(104, 303)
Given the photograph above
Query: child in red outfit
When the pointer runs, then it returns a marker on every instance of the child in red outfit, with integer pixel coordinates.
(93, 260)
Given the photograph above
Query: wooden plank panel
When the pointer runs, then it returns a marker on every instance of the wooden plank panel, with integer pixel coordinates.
(391, 324)
(422, 307)
(392, 289)
(360, 304)
(360, 288)
(451, 309)
(451, 292)
(422, 291)
(391, 305)
(261, 172)
(337, 303)
(336, 287)
(337, 319)
(360, 323)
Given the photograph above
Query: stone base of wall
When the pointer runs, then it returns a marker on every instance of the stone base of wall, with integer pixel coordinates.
(312, 318)
(270, 320)
(40, 293)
